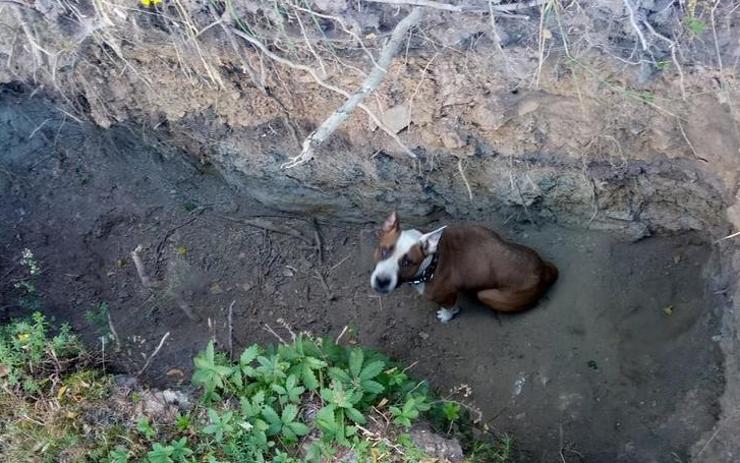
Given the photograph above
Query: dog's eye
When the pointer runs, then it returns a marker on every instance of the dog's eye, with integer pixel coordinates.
(405, 262)
(385, 252)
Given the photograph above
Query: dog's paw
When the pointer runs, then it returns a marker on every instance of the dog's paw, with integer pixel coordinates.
(445, 315)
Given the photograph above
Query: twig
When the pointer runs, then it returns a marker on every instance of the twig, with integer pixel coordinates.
(269, 329)
(371, 83)
(344, 330)
(329, 295)
(185, 307)
(635, 26)
(335, 266)
(464, 179)
(114, 333)
(231, 330)
(319, 242)
(464, 8)
(321, 82)
(141, 270)
(271, 226)
(728, 237)
(156, 351)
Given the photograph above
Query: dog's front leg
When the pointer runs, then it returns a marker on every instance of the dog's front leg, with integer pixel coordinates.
(444, 315)
(448, 307)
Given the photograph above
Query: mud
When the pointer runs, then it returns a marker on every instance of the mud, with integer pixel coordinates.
(621, 361)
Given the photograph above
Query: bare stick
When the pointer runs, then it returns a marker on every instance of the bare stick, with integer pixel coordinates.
(156, 351)
(270, 226)
(114, 333)
(141, 270)
(329, 295)
(728, 237)
(319, 242)
(312, 72)
(635, 26)
(464, 8)
(371, 83)
(344, 330)
(464, 179)
(231, 330)
(269, 329)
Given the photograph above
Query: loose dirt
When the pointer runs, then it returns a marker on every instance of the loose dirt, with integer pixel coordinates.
(618, 363)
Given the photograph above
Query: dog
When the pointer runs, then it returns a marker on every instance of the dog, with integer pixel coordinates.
(450, 261)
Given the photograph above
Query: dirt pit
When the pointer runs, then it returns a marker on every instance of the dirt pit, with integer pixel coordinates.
(620, 362)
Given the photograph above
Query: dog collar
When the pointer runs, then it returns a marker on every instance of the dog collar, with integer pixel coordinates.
(428, 272)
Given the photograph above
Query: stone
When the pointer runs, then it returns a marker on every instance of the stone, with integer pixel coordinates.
(436, 446)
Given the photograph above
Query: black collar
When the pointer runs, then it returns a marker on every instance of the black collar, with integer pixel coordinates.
(428, 272)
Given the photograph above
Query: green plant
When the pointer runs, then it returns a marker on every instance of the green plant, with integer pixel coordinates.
(220, 425)
(694, 25)
(145, 428)
(209, 373)
(29, 298)
(98, 318)
(176, 452)
(118, 455)
(405, 415)
(28, 355)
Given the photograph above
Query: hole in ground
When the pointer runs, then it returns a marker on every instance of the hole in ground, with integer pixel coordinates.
(618, 362)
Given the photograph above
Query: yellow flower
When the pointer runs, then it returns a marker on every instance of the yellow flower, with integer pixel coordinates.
(150, 2)
(23, 337)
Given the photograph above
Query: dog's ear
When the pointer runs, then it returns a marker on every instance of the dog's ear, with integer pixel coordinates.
(430, 241)
(391, 223)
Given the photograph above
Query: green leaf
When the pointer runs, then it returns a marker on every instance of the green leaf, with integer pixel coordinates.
(355, 415)
(355, 361)
(372, 387)
(289, 413)
(325, 418)
(372, 370)
(309, 379)
(299, 429)
(339, 375)
(249, 354)
(272, 417)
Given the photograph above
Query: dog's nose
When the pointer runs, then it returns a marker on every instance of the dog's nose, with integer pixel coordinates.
(382, 284)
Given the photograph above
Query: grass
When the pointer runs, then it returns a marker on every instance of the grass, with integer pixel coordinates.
(307, 400)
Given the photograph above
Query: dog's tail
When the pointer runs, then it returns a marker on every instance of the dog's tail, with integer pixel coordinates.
(550, 274)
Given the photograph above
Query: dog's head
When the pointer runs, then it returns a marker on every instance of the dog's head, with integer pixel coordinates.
(401, 254)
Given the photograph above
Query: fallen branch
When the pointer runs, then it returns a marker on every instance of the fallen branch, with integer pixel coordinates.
(635, 26)
(312, 72)
(141, 270)
(230, 345)
(273, 227)
(371, 83)
(154, 354)
(465, 8)
(113, 333)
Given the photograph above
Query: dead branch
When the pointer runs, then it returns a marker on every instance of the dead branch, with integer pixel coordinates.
(465, 8)
(314, 75)
(319, 241)
(329, 295)
(113, 333)
(635, 26)
(230, 319)
(371, 83)
(141, 269)
(156, 351)
(271, 226)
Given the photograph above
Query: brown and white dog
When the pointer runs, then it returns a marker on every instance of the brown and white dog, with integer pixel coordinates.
(446, 262)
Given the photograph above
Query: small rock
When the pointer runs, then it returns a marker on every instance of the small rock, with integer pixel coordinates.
(435, 445)
(397, 118)
(423, 335)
